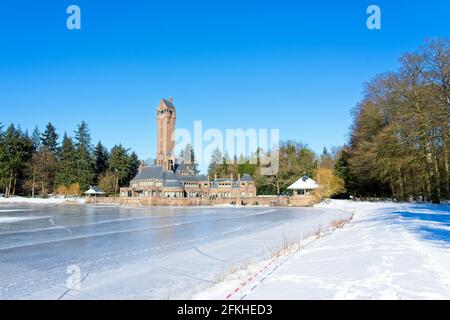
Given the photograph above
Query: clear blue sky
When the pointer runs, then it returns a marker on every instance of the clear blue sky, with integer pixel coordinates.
(294, 65)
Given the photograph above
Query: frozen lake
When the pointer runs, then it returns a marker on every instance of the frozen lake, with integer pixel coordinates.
(131, 252)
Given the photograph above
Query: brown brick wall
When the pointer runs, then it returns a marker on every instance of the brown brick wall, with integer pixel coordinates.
(298, 201)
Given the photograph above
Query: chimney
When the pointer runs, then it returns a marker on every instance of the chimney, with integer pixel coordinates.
(231, 177)
(215, 176)
(141, 164)
(239, 177)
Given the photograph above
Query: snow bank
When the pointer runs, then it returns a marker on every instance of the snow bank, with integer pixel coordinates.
(383, 253)
(40, 200)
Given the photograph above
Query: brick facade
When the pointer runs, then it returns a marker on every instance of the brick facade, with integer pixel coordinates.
(172, 179)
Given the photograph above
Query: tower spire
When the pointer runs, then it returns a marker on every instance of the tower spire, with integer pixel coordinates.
(165, 122)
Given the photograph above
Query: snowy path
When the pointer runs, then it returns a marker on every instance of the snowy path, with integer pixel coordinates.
(388, 251)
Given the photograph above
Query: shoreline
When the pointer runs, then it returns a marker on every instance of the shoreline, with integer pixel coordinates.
(117, 202)
(376, 255)
(25, 200)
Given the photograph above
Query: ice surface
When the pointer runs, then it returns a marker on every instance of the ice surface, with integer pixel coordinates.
(138, 252)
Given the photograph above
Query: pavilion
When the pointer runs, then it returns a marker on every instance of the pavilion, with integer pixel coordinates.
(303, 186)
(94, 191)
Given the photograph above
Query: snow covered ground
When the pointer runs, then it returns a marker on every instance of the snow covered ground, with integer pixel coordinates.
(388, 251)
(23, 200)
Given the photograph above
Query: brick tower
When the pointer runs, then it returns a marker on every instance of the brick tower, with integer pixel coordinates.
(165, 121)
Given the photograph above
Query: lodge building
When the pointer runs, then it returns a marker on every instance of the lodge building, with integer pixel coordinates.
(172, 178)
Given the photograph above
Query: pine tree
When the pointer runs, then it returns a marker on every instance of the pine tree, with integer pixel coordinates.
(120, 165)
(101, 160)
(187, 155)
(16, 151)
(134, 167)
(36, 138)
(84, 161)
(214, 163)
(49, 139)
(67, 171)
(3, 166)
(194, 163)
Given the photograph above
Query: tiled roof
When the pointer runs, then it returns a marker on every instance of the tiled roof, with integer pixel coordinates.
(172, 184)
(148, 172)
(168, 104)
(182, 167)
(172, 179)
(187, 178)
(94, 190)
(246, 177)
(202, 177)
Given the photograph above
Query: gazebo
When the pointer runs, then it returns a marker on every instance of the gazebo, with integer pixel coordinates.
(303, 186)
(94, 191)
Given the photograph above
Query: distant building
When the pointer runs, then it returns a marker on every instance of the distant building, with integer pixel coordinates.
(94, 191)
(171, 178)
(303, 186)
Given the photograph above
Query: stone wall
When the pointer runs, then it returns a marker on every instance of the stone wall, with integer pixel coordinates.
(296, 201)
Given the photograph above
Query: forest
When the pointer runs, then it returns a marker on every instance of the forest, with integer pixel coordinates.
(398, 144)
(398, 147)
(399, 140)
(38, 165)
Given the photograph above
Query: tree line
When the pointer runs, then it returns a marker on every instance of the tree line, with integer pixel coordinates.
(38, 164)
(399, 140)
(294, 161)
(398, 147)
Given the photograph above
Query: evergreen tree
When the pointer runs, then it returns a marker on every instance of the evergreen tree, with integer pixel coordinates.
(225, 168)
(134, 167)
(15, 152)
(326, 159)
(49, 139)
(84, 163)
(36, 138)
(67, 171)
(245, 166)
(3, 166)
(215, 162)
(83, 137)
(194, 163)
(187, 155)
(342, 169)
(101, 160)
(120, 165)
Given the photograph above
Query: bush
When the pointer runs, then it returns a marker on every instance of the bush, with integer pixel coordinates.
(69, 190)
(330, 183)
